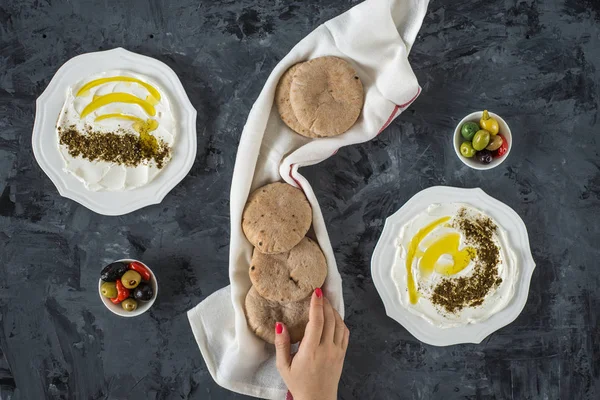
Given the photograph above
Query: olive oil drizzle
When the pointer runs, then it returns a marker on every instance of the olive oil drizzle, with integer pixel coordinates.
(97, 82)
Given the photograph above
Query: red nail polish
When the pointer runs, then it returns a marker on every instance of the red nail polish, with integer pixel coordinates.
(319, 292)
(278, 328)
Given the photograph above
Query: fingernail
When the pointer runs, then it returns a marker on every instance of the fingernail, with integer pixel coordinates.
(278, 328)
(319, 292)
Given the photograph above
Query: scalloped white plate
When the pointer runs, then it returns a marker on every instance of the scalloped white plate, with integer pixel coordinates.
(385, 253)
(44, 138)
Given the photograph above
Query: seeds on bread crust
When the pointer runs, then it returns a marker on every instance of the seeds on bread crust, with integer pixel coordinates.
(282, 100)
(326, 95)
(276, 217)
(290, 276)
(262, 314)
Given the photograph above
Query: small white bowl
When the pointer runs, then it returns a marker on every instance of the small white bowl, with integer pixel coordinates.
(143, 306)
(473, 162)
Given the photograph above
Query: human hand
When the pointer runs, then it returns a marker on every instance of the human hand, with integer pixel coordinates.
(314, 372)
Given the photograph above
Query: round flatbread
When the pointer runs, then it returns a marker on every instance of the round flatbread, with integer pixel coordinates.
(289, 276)
(276, 217)
(326, 95)
(262, 314)
(282, 99)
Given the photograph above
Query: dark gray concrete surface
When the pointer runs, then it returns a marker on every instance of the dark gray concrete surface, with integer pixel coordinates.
(535, 63)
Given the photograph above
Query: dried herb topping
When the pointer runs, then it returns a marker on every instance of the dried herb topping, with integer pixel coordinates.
(119, 147)
(469, 291)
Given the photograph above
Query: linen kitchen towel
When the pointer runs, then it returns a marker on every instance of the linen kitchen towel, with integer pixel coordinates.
(375, 37)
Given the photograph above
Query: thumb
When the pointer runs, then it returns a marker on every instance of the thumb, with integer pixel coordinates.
(282, 348)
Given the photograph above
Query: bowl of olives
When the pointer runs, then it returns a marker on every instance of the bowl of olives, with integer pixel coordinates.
(127, 287)
(482, 140)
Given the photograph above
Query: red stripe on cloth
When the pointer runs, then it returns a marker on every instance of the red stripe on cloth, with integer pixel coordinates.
(390, 119)
(411, 100)
(292, 176)
(387, 123)
(396, 108)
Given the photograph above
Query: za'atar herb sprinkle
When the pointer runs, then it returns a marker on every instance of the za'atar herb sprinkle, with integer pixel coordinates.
(120, 147)
(469, 291)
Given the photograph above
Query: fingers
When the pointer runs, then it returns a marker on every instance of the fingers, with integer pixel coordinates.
(325, 325)
(346, 339)
(328, 323)
(314, 328)
(282, 348)
(340, 329)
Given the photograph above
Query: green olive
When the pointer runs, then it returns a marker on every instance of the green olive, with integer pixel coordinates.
(481, 139)
(109, 289)
(495, 143)
(129, 304)
(131, 279)
(468, 130)
(467, 150)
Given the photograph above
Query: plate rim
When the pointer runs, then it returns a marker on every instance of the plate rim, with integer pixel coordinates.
(45, 120)
(418, 326)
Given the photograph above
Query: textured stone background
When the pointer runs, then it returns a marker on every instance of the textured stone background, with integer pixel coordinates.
(536, 63)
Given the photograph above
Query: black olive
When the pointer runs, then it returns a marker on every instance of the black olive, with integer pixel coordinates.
(143, 292)
(485, 156)
(113, 271)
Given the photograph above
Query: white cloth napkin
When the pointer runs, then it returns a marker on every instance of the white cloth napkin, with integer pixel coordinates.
(375, 37)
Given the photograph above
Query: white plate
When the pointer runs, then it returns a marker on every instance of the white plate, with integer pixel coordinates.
(44, 138)
(385, 253)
